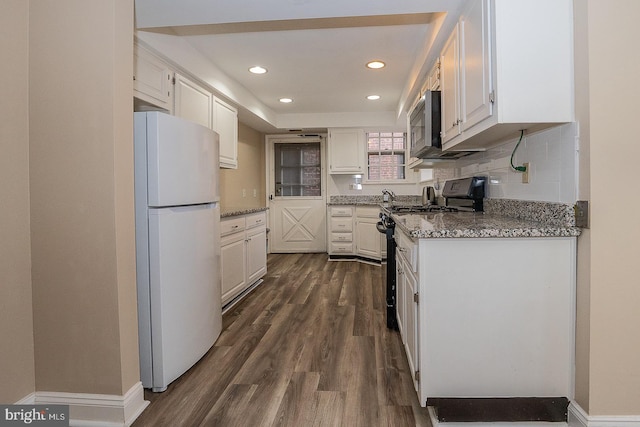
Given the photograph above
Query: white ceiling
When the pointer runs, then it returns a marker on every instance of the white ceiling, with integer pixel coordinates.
(315, 52)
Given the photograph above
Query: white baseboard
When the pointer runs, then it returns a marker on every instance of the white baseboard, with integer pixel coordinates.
(579, 418)
(27, 400)
(93, 410)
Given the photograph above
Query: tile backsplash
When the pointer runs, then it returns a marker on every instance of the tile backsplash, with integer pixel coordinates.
(553, 167)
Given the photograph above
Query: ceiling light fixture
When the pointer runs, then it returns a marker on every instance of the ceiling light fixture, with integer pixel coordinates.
(258, 69)
(375, 64)
(373, 97)
(286, 100)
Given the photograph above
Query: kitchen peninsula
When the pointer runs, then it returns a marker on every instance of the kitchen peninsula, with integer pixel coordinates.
(486, 301)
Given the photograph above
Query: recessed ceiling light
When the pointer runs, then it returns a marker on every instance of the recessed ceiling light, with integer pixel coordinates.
(286, 100)
(258, 69)
(373, 97)
(375, 64)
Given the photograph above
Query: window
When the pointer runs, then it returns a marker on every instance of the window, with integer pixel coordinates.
(386, 154)
(298, 169)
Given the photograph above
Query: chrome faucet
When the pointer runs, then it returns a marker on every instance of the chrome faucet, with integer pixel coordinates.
(388, 195)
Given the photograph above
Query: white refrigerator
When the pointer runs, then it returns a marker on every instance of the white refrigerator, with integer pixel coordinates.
(177, 244)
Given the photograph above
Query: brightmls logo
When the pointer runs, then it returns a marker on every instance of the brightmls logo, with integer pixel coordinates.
(34, 415)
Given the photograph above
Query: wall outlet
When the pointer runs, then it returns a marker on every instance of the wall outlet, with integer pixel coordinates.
(244, 193)
(525, 174)
(255, 193)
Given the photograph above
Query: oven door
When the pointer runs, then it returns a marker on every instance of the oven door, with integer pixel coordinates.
(387, 227)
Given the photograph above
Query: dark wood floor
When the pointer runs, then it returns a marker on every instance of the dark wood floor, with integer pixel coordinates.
(309, 347)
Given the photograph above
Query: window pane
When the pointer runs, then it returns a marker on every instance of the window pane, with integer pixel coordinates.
(374, 173)
(310, 156)
(298, 169)
(311, 175)
(290, 176)
(386, 143)
(386, 155)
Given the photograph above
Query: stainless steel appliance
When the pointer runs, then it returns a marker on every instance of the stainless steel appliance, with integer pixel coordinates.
(461, 195)
(425, 122)
(428, 196)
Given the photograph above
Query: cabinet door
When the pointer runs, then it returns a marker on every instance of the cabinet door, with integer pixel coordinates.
(368, 238)
(434, 77)
(233, 265)
(192, 101)
(256, 254)
(346, 151)
(475, 65)
(411, 324)
(152, 79)
(449, 85)
(400, 294)
(225, 118)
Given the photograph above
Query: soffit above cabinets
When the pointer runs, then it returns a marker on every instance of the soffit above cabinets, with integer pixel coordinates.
(315, 53)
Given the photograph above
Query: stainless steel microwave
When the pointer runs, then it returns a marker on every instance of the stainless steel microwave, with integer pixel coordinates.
(425, 123)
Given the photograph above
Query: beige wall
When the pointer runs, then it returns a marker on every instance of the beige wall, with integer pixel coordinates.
(607, 66)
(614, 381)
(16, 318)
(82, 215)
(250, 174)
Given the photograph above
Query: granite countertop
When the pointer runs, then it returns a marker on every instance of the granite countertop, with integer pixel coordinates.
(236, 211)
(371, 200)
(502, 218)
(476, 224)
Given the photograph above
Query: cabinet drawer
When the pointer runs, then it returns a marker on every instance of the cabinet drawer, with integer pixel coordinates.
(341, 211)
(231, 225)
(256, 220)
(341, 248)
(341, 224)
(367, 212)
(342, 237)
(408, 249)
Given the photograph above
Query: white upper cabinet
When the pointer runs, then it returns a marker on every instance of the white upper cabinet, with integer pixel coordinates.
(501, 72)
(225, 122)
(346, 151)
(433, 82)
(450, 86)
(475, 65)
(152, 79)
(192, 101)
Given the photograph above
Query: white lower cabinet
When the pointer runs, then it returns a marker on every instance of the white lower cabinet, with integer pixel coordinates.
(487, 317)
(340, 230)
(368, 242)
(353, 232)
(407, 301)
(256, 239)
(243, 251)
